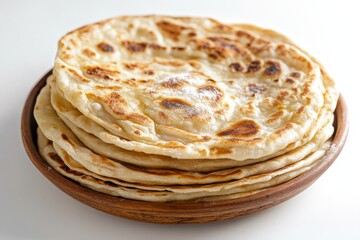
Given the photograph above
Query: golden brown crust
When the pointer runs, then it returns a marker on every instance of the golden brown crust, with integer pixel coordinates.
(102, 73)
(170, 29)
(174, 103)
(88, 52)
(243, 128)
(105, 47)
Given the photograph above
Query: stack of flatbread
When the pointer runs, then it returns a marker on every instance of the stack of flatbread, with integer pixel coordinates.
(158, 108)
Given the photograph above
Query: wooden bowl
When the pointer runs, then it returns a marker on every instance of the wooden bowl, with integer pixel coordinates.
(179, 212)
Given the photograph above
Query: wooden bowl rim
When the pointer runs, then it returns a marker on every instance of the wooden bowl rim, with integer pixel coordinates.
(28, 130)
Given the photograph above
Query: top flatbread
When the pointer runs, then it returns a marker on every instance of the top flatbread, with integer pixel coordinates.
(190, 87)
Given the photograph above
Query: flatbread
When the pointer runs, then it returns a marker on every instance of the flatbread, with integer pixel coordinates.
(116, 188)
(81, 125)
(55, 130)
(190, 87)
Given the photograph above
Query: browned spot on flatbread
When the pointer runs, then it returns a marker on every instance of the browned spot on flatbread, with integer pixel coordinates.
(130, 82)
(249, 142)
(175, 103)
(216, 54)
(243, 128)
(147, 81)
(295, 90)
(222, 27)
(73, 42)
(118, 105)
(82, 30)
(282, 96)
(105, 47)
(70, 171)
(245, 35)
(254, 66)
(220, 111)
(113, 87)
(89, 53)
(55, 157)
(65, 138)
(300, 110)
(172, 144)
(155, 46)
(67, 56)
(149, 72)
(290, 80)
(258, 45)
(295, 74)
(236, 67)
(116, 102)
(101, 72)
(132, 66)
(176, 48)
(206, 138)
(192, 34)
(223, 41)
(134, 47)
(170, 29)
(195, 64)
(274, 117)
(254, 88)
(306, 89)
(272, 69)
(163, 115)
(104, 161)
(139, 118)
(247, 109)
(220, 151)
(225, 47)
(173, 63)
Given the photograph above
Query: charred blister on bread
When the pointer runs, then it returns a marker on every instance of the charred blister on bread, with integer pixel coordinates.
(105, 47)
(101, 73)
(272, 69)
(236, 67)
(254, 66)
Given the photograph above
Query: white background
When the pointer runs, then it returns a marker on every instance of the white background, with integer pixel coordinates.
(32, 208)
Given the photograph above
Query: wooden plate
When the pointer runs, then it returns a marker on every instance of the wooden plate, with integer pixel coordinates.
(179, 212)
